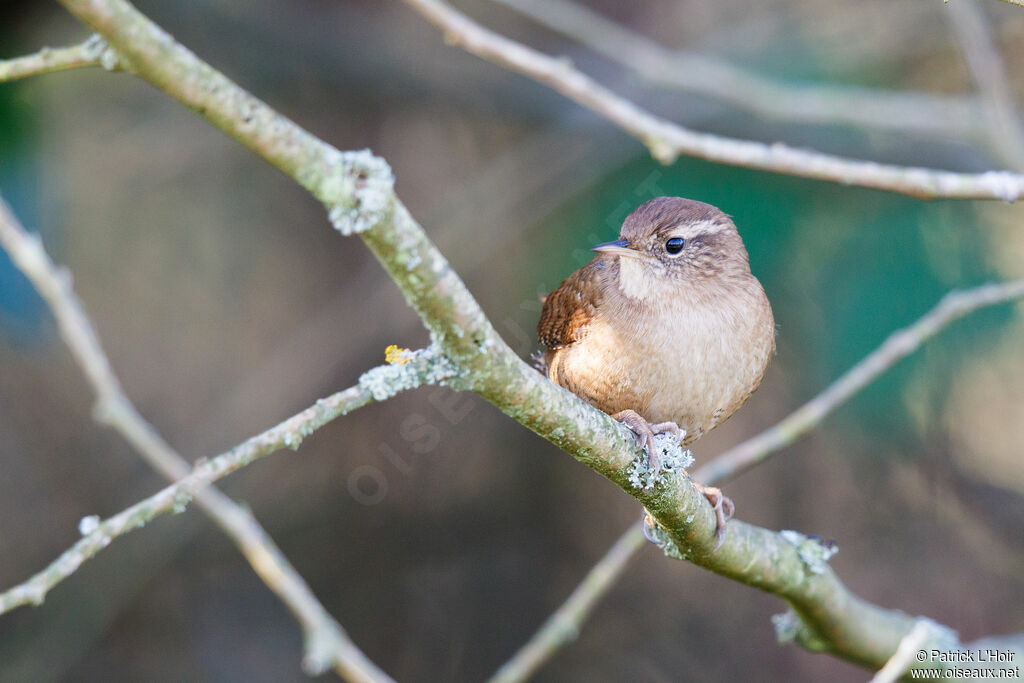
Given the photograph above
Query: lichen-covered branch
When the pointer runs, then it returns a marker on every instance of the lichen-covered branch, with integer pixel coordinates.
(326, 643)
(92, 52)
(357, 190)
(667, 141)
(567, 620)
(563, 626)
(377, 384)
(1000, 116)
(868, 108)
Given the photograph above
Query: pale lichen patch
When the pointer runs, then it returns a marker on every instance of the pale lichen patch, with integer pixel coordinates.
(97, 48)
(424, 366)
(674, 458)
(88, 524)
(359, 191)
(813, 552)
(661, 538)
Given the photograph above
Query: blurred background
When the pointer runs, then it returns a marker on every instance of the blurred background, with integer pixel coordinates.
(227, 303)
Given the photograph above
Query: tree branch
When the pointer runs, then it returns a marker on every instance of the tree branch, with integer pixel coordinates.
(869, 108)
(326, 642)
(896, 347)
(666, 140)
(986, 67)
(904, 655)
(375, 385)
(92, 52)
(357, 190)
(565, 623)
(563, 626)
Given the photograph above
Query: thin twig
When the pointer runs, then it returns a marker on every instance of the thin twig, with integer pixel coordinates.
(91, 52)
(915, 112)
(326, 642)
(904, 655)
(667, 141)
(567, 621)
(563, 626)
(897, 346)
(376, 384)
(977, 43)
(357, 189)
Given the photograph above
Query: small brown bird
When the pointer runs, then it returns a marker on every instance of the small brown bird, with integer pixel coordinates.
(666, 329)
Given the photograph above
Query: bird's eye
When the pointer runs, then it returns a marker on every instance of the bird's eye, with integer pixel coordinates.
(675, 245)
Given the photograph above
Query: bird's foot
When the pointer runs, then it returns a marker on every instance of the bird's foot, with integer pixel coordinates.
(723, 507)
(646, 432)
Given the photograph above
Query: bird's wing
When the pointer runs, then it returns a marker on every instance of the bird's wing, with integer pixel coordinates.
(569, 308)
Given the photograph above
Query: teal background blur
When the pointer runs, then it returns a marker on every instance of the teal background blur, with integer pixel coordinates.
(227, 303)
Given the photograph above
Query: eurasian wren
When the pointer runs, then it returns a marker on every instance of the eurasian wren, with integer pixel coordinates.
(666, 329)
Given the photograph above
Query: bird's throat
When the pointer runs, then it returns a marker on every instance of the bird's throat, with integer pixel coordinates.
(639, 279)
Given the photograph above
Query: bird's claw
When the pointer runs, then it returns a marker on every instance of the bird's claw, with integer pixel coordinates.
(646, 432)
(723, 507)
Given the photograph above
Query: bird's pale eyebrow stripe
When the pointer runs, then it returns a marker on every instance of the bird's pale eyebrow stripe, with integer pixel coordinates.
(691, 230)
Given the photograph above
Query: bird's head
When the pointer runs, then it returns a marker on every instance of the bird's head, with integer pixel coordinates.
(674, 241)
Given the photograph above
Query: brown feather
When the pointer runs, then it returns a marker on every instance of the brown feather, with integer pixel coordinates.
(568, 309)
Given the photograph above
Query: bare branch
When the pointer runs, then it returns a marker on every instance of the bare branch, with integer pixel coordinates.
(904, 655)
(666, 140)
(563, 626)
(357, 190)
(326, 642)
(915, 112)
(376, 384)
(978, 45)
(899, 345)
(92, 52)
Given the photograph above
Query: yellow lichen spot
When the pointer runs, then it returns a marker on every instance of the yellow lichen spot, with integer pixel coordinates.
(397, 356)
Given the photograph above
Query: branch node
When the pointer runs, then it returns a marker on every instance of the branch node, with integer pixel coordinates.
(663, 151)
(394, 355)
(790, 628)
(358, 191)
(182, 498)
(425, 366)
(88, 524)
(96, 48)
(320, 646)
(661, 538)
(36, 595)
(292, 440)
(812, 550)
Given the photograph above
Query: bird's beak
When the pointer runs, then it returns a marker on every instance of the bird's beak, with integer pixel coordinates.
(620, 247)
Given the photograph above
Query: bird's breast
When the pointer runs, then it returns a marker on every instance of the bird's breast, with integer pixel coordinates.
(689, 362)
